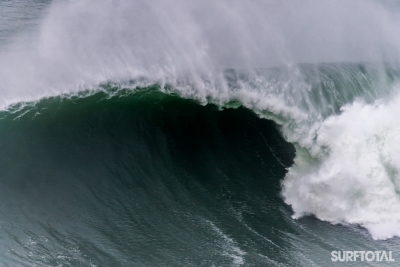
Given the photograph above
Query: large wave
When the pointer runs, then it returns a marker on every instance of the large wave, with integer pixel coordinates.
(338, 116)
(341, 117)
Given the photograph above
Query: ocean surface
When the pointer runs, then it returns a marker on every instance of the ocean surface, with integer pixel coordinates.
(198, 133)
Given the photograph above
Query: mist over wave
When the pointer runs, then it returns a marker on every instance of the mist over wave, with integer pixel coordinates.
(80, 44)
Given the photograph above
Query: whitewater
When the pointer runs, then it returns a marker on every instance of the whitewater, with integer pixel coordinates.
(326, 74)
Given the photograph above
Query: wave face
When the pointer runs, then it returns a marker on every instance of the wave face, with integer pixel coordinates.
(188, 133)
(140, 178)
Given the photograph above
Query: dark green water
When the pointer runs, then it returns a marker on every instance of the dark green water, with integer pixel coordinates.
(145, 178)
